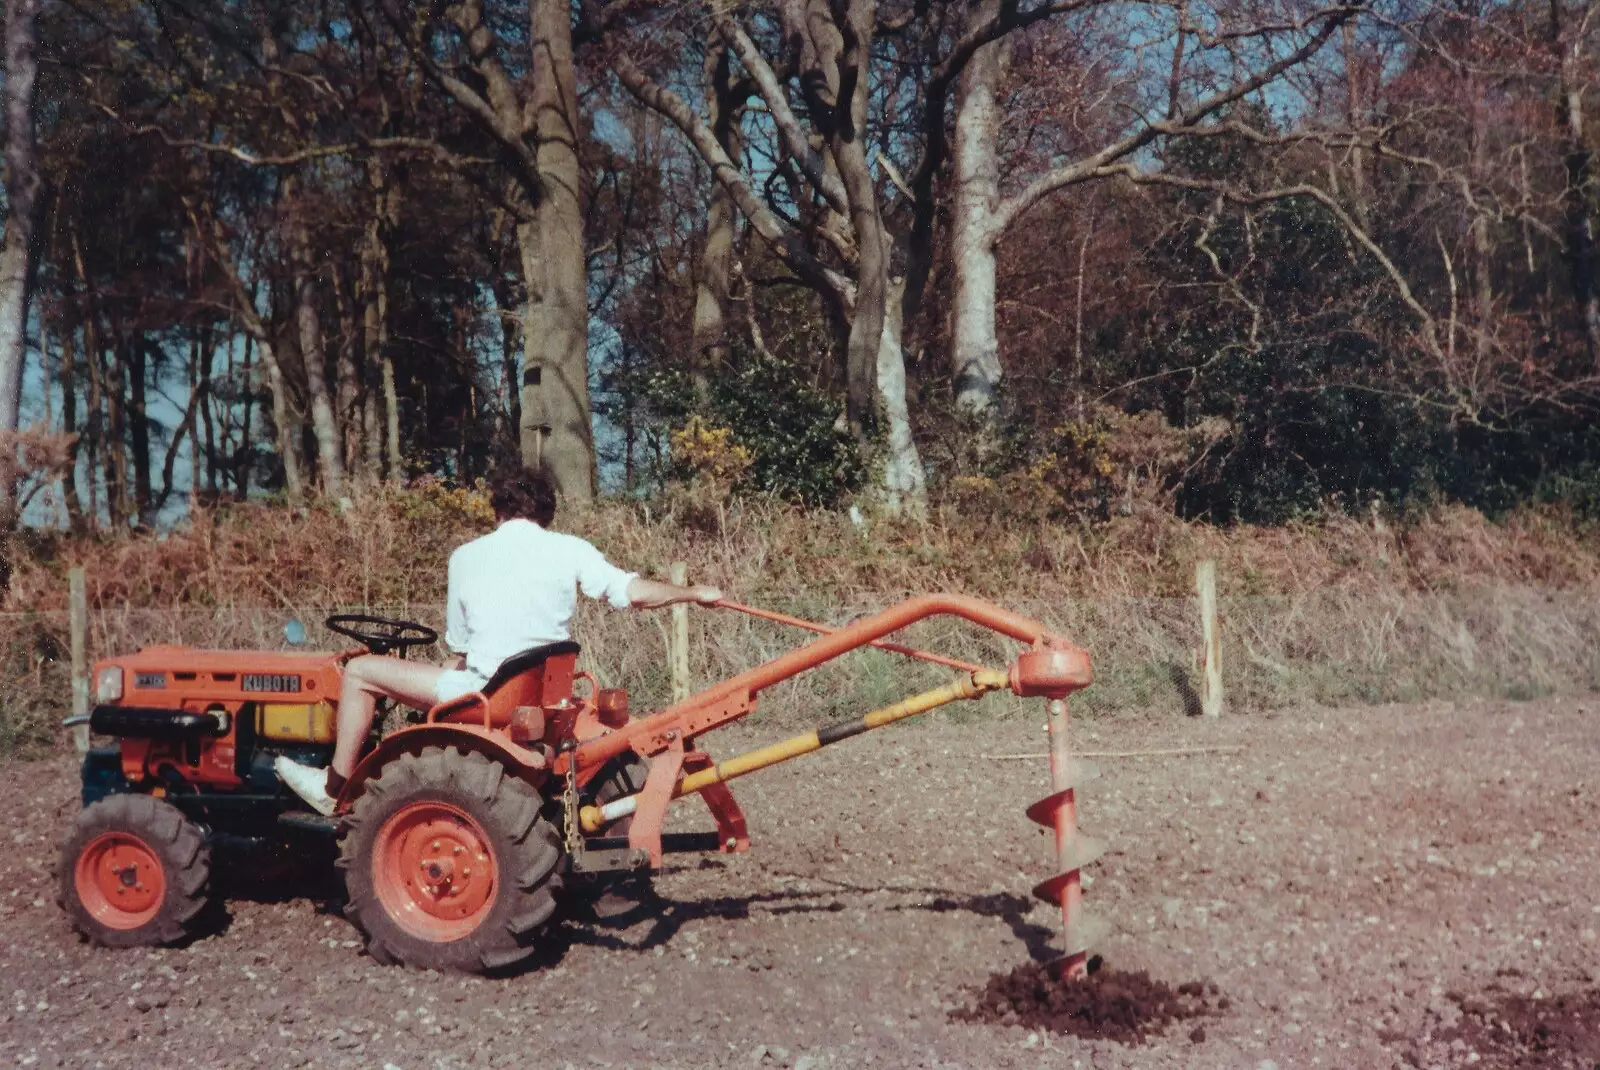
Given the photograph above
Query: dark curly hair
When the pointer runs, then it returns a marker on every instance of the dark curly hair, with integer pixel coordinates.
(522, 493)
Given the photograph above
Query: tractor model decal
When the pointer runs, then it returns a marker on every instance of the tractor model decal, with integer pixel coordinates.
(276, 684)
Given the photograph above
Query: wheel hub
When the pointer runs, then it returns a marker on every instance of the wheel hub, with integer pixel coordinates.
(119, 880)
(436, 873)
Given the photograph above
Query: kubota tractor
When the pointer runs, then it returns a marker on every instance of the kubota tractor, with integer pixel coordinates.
(456, 834)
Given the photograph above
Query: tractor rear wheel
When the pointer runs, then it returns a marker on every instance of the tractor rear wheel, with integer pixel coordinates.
(448, 863)
(134, 873)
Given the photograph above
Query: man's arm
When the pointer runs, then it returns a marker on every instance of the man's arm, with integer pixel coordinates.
(653, 594)
(599, 578)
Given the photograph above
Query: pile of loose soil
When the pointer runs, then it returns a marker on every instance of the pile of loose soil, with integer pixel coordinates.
(1108, 1004)
(1511, 1030)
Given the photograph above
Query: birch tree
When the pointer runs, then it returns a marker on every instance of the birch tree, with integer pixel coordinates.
(19, 255)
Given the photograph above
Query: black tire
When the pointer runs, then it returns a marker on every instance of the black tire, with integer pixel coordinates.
(159, 859)
(503, 822)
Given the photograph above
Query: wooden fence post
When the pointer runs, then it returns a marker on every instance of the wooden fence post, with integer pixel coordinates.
(678, 637)
(1205, 582)
(78, 622)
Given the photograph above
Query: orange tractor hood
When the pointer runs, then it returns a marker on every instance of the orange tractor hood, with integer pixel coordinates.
(174, 675)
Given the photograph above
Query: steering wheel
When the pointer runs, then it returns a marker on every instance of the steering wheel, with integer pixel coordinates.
(382, 634)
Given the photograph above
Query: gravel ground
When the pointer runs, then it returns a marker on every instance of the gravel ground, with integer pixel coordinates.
(1363, 888)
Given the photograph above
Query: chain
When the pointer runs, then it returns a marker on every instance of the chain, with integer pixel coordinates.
(569, 807)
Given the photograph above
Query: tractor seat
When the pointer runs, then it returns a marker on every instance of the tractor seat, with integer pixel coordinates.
(517, 664)
(540, 676)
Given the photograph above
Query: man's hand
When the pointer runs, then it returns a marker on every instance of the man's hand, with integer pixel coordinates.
(706, 595)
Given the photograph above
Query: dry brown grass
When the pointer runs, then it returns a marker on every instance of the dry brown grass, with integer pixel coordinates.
(1337, 611)
(391, 546)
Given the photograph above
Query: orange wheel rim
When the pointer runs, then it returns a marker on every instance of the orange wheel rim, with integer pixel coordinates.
(434, 871)
(120, 880)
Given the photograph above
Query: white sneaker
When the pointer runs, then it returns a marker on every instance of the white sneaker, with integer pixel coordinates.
(308, 783)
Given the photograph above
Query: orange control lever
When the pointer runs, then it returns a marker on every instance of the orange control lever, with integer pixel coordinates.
(823, 629)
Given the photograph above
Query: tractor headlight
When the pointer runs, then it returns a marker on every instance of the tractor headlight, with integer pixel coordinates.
(108, 686)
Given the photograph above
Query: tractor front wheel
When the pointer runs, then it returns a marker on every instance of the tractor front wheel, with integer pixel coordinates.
(134, 873)
(448, 864)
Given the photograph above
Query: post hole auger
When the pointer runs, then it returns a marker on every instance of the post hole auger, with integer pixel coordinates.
(1052, 668)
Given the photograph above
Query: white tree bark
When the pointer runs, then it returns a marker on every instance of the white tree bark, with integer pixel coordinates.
(20, 254)
(905, 490)
(975, 345)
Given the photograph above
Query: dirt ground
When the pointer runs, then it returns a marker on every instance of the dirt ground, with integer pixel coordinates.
(1401, 886)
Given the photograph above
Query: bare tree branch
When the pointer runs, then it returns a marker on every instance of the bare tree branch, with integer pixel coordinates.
(524, 159)
(784, 241)
(1186, 122)
(783, 117)
(1242, 196)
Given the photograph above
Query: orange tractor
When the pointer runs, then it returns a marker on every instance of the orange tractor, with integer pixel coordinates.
(456, 834)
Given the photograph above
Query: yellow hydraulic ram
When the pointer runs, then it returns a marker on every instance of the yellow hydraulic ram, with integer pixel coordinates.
(971, 686)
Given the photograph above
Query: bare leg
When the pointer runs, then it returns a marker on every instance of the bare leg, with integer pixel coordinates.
(366, 679)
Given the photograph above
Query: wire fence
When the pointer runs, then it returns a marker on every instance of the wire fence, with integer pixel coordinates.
(1328, 648)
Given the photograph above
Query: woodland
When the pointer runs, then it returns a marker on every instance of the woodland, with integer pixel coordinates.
(1238, 260)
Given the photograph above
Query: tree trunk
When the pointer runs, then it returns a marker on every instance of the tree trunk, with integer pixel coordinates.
(709, 343)
(347, 382)
(383, 446)
(975, 345)
(197, 404)
(1360, 197)
(556, 338)
(136, 357)
(208, 435)
(509, 401)
(391, 398)
(1482, 242)
(283, 420)
(872, 272)
(1580, 196)
(19, 255)
(185, 428)
(69, 426)
(245, 461)
(324, 424)
(837, 56)
(95, 416)
(904, 485)
(116, 439)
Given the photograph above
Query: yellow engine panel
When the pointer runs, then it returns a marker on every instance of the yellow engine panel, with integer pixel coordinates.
(296, 722)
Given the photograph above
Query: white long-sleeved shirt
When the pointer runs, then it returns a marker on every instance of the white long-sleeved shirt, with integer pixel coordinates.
(516, 588)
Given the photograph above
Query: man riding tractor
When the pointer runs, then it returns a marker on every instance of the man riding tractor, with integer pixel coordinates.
(512, 590)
